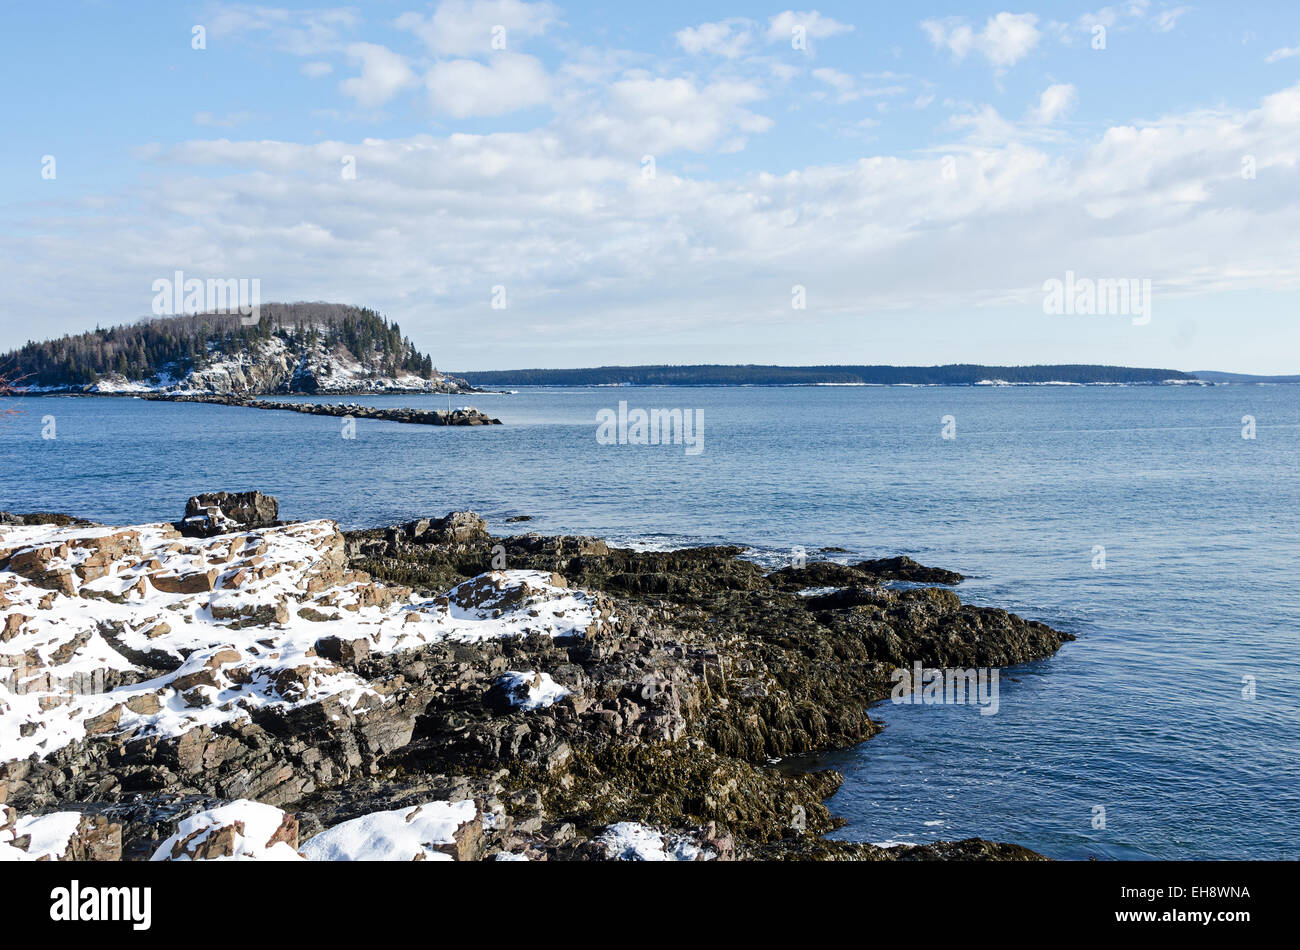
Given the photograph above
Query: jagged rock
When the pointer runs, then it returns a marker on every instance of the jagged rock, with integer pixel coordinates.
(343, 651)
(198, 582)
(903, 568)
(219, 512)
(685, 673)
(453, 527)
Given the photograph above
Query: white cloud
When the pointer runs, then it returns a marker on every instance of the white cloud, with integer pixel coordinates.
(1286, 52)
(1006, 38)
(562, 214)
(781, 28)
(225, 122)
(1122, 16)
(848, 89)
(655, 115)
(726, 38)
(842, 82)
(738, 36)
(1056, 100)
(300, 32)
(465, 27)
(1166, 20)
(383, 74)
(315, 69)
(464, 87)
(580, 237)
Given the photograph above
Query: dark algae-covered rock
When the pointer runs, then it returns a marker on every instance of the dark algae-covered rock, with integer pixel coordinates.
(563, 699)
(464, 416)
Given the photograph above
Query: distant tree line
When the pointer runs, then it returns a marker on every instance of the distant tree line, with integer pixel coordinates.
(956, 374)
(183, 343)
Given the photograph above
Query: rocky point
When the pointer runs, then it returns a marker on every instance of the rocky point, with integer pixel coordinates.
(236, 686)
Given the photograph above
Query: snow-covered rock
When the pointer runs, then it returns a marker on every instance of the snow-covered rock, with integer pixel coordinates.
(432, 831)
(113, 630)
(240, 831)
(633, 841)
(531, 690)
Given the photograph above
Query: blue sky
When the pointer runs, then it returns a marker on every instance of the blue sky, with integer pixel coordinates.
(920, 170)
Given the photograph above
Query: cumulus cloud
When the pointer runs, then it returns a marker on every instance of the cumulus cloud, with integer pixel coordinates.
(1006, 38)
(465, 27)
(563, 215)
(431, 223)
(782, 27)
(739, 36)
(1121, 16)
(1056, 100)
(507, 82)
(727, 38)
(383, 74)
(658, 115)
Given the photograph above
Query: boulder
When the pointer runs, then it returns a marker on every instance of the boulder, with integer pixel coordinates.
(453, 527)
(216, 512)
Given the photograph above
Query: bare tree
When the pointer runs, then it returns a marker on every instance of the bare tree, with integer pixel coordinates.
(9, 392)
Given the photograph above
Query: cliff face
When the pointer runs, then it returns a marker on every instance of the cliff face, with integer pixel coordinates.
(277, 366)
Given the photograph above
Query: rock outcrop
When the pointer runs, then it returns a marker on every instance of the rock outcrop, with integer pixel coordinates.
(464, 416)
(528, 697)
(218, 512)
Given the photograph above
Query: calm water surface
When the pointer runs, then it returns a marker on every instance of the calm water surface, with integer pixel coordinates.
(1143, 716)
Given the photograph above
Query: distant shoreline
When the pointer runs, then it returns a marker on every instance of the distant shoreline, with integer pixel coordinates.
(962, 374)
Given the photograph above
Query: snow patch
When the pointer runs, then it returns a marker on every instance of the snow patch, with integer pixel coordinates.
(404, 834)
(50, 835)
(233, 620)
(240, 831)
(531, 690)
(633, 841)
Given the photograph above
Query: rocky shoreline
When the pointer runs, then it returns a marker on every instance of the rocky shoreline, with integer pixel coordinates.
(465, 416)
(235, 685)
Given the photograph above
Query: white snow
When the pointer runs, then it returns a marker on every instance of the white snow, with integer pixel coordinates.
(403, 834)
(50, 836)
(54, 663)
(633, 841)
(254, 824)
(531, 690)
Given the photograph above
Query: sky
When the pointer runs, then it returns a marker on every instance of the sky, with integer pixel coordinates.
(537, 184)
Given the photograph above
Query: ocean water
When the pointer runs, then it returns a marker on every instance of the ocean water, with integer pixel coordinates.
(1149, 715)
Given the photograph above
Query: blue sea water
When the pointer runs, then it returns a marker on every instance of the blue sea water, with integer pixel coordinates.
(1146, 715)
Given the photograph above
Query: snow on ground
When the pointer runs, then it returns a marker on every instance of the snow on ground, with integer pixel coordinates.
(50, 835)
(192, 632)
(532, 690)
(633, 841)
(405, 834)
(240, 831)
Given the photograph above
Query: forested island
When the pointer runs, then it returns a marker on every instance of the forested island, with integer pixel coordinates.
(956, 374)
(288, 348)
